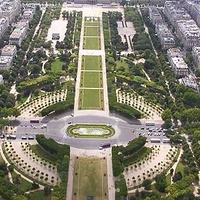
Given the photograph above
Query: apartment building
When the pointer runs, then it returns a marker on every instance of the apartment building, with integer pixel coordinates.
(175, 12)
(177, 62)
(155, 15)
(193, 7)
(4, 23)
(28, 12)
(9, 50)
(196, 56)
(19, 33)
(95, 1)
(189, 81)
(1, 79)
(5, 62)
(188, 32)
(10, 9)
(166, 38)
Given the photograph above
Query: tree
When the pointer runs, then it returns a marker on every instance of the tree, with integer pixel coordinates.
(147, 184)
(161, 182)
(47, 190)
(177, 176)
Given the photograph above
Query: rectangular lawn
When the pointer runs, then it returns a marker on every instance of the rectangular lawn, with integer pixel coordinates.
(91, 23)
(92, 43)
(90, 179)
(91, 99)
(92, 31)
(91, 79)
(91, 63)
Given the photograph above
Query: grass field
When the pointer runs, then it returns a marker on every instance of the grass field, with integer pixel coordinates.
(91, 23)
(91, 63)
(91, 79)
(92, 31)
(90, 179)
(56, 66)
(91, 99)
(92, 43)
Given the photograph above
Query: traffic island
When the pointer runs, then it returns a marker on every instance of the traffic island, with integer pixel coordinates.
(90, 131)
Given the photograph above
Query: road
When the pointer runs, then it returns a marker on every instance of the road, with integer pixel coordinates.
(56, 129)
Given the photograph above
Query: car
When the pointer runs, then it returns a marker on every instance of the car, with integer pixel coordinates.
(24, 138)
(2, 136)
(69, 122)
(30, 137)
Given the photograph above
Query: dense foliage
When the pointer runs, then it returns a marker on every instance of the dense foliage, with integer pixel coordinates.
(123, 109)
(62, 154)
(120, 154)
(60, 106)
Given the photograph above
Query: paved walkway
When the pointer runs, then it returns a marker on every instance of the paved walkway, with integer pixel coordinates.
(158, 160)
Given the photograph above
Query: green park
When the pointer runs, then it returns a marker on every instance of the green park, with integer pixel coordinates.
(91, 62)
(90, 179)
(91, 79)
(88, 103)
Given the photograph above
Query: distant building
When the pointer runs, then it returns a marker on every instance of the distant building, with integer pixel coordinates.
(165, 36)
(10, 9)
(95, 1)
(177, 62)
(189, 81)
(19, 33)
(1, 79)
(28, 12)
(9, 50)
(4, 23)
(5, 62)
(155, 15)
(193, 7)
(196, 56)
(175, 12)
(188, 32)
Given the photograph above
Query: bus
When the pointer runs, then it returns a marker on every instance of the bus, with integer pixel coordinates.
(103, 146)
(11, 137)
(150, 123)
(34, 121)
(155, 140)
(167, 140)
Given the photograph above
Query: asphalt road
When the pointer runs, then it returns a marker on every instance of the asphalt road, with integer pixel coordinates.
(125, 130)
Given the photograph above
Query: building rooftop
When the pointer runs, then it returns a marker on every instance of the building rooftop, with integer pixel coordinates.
(5, 59)
(17, 33)
(8, 49)
(179, 62)
(189, 28)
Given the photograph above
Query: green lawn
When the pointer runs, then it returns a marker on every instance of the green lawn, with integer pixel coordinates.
(56, 66)
(23, 185)
(122, 66)
(92, 31)
(92, 43)
(91, 99)
(43, 154)
(90, 179)
(168, 179)
(180, 167)
(91, 79)
(91, 63)
(39, 195)
(91, 22)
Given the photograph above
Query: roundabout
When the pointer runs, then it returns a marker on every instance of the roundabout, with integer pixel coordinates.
(90, 131)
